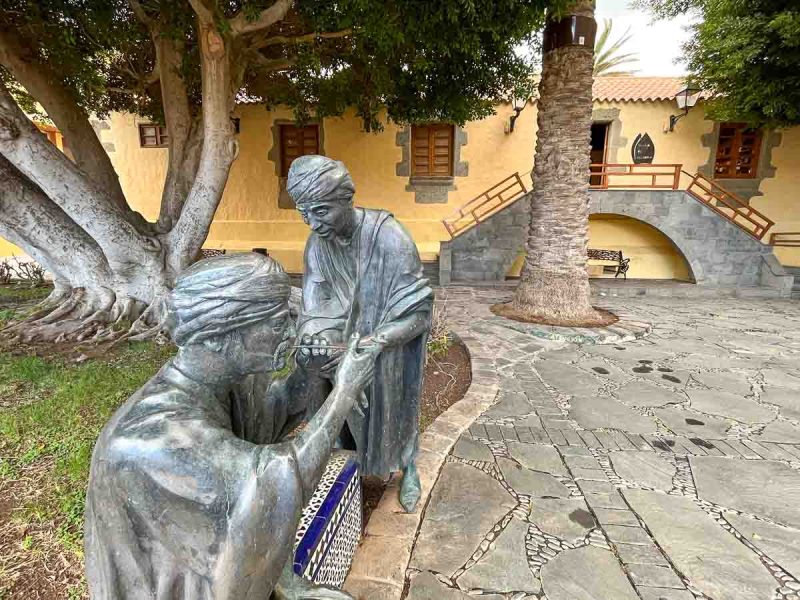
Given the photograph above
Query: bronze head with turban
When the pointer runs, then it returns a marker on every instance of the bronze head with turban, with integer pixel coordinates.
(237, 304)
(323, 191)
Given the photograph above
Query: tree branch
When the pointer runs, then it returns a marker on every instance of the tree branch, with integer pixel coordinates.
(274, 64)
(301, 39)
(204, 14)
(140, 12)
(267, 18)
(61, 105)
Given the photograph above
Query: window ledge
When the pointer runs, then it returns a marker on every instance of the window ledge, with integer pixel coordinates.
(416, 180)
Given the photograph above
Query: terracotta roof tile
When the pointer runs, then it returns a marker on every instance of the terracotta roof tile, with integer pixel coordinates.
(633, 89)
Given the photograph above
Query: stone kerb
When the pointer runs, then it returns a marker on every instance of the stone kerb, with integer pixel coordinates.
(379, 566)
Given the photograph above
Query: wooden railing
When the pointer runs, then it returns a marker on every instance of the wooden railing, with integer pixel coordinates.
(490, 202)
(785, 238)
(633, 176)
(605, 176)
(728, 205)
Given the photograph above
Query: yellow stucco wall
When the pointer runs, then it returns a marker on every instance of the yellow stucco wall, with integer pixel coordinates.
(249, 215)
(781, 199)
(652, 254)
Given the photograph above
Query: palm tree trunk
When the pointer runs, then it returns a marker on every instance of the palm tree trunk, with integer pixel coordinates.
(554, 283)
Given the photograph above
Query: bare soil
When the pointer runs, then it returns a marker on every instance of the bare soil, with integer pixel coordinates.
(509, 312)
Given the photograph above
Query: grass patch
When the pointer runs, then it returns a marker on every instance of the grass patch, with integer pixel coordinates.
(51, 412)
(23, 293)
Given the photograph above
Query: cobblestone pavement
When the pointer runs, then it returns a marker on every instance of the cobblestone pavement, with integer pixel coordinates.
(666, 468)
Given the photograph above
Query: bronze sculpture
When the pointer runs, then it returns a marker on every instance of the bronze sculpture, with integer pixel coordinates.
(181, 504)
(363, 274)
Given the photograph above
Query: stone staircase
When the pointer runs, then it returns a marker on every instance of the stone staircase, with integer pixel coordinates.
(795, 272)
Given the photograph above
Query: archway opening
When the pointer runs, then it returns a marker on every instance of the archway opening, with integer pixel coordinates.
(652, 254)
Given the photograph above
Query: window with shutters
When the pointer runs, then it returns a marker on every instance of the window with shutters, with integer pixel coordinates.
(432, 150)
(153, 136)
(297, 141)
(737, 151)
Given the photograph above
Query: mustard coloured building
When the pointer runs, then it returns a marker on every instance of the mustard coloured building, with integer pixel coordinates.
(702, 201)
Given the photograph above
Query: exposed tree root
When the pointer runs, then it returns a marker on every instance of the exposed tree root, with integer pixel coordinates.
(94, 316)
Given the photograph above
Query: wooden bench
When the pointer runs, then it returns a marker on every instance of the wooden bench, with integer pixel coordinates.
(622, 264)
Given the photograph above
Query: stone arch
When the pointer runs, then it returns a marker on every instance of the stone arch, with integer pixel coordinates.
(676, 245)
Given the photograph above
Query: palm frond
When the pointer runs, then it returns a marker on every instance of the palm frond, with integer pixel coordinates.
(606, 58)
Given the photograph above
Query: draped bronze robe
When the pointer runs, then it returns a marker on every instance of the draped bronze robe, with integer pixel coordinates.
(179, 506)
(356, 288)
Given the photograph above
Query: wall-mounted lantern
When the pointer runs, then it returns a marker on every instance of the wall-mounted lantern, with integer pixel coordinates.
(685, 99)
(518, 104)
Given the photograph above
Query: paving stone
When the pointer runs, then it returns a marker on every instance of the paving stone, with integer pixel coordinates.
(478, 431)
(654, 576)
(586, 573)
(574, 451)
(692, 425)
(556, 437)
(740, 448)
(640, 554)
(537, 457)
(595, 487)
(539, 435)
(726, 449)
(572, 437)
(780, 378)
(643, 468)
(664, 594)
(465, 504)
(566, 378)
(493, 431)
(729, 406)
(469, 449)
(508, 433)
(714, 561)
(588, 475)
(581, 462)
(568, 519)
(734, 383)
(608, 442)
(556, 423)
(763, 488)
(612, 500)
(777, 542)
(780, 431)
(638, 442)
(642, 393)
(532, 420)
(761, 450)
(504, 568)
(608, 516)
(590, 439)
(425, 586)
(627, 535)
(509, 405)
(779, 451)
(622, 440)
(787, 400)
(602, 412)
(531, 483)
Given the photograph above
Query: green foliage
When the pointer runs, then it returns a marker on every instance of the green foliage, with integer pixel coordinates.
(607, 58)
(449, 60)
(747, 54)
(53, 412)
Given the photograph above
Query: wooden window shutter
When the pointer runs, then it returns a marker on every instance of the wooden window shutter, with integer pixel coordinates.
(297, 141)
(153, 136)
(737, 151)
(432, 150)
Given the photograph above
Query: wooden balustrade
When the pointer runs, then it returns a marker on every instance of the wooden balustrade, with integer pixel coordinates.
(603, 176)
(729, 205)
(785, 238)
(483, 206)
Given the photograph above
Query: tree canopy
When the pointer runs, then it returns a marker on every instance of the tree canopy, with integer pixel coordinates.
(747, 54)
(421, 60)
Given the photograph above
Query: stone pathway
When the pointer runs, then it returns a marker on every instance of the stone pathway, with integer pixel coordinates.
(666, 468)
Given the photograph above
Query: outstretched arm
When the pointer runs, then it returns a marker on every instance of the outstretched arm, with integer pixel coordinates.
(314, 445)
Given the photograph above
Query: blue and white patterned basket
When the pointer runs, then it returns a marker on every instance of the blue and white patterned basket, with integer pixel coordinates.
(330, 527)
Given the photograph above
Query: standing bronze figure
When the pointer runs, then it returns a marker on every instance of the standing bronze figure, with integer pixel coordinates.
(363, 274)
(181, 504)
